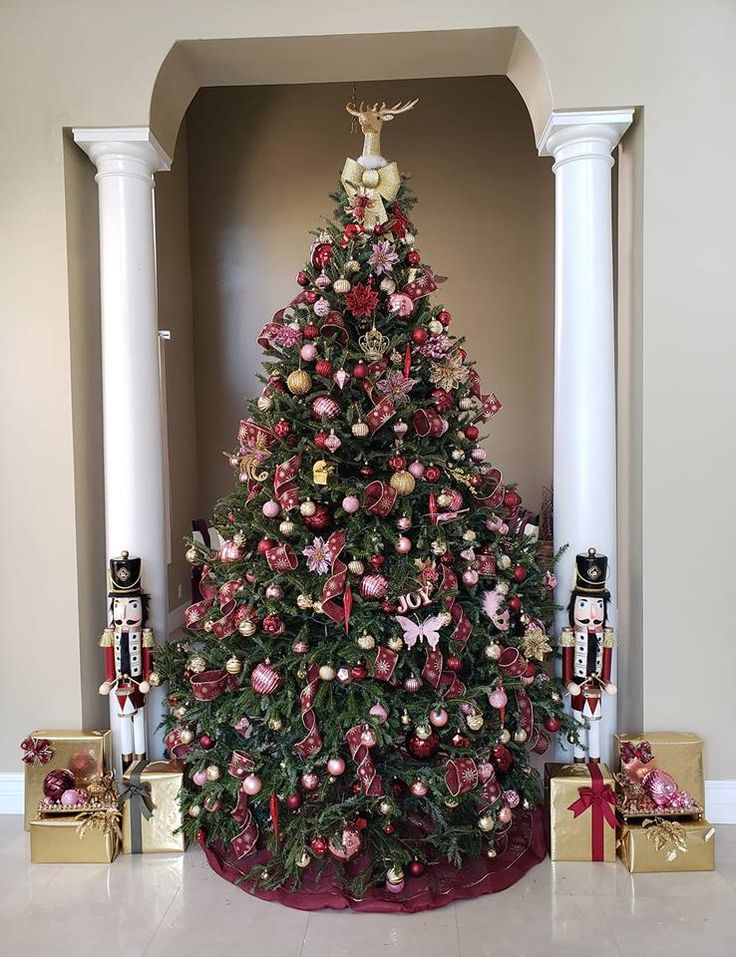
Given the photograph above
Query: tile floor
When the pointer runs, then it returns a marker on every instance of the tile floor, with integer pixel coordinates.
(158, 905)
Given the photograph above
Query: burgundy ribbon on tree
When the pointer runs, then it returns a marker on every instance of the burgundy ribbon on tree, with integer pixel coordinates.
(380, 498)
(424, 285)
(209, 685)
(266, 334)
(463, 627)
(461, 775)
(485, 565)
(454, 687)
(449, 579)
(538, 742)
(384, 664)
(526, 711)
(282, 559)
(312, 742)
(194, 614)
(284, 482)
(335, 587)
(245, 840)
(491, 789)
(489, 404)
(334, 325)
(432, 670)
(427, 422)
(379, 415)
(37, 750)
(512, 662)
(371, 781)
(177, 748)
(492, 490)
(601, 801)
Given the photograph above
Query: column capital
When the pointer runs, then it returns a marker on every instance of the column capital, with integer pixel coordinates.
(583, 133)
(123, 151)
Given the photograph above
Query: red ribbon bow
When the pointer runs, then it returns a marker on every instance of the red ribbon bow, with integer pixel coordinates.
(38, 750)
(601, 800)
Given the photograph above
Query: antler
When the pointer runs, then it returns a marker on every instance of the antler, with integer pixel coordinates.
(395, 110)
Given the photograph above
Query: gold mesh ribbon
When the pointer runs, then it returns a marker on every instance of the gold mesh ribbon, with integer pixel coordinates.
(668, 837)
(104, 819)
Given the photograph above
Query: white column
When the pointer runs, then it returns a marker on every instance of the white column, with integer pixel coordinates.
(126, 160)
(585, 386)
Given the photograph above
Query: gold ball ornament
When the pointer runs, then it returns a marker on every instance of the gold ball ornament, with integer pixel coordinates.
(356, 567)
(275, 724)
(208, 626)
(492, 651)
(341, 286)
(233, 665)
(469, 535)
(475, 721)
(504, 736)
(304, 602)
(327, 673)
(308, 508)
(352, 265)
(445, 617)
(457, 455)
(438, 547)
(303, 860)
(359, 430)
(366, 642)
(504, 561)
(395, 643)
(443, 500)
(466, 403)
(197, 665)
(435, 327)
(194, 810)
(520, 736)
(192, 556)
(186, 736)
(385, 807)
(388, 285)
(287, 527)
(246, 628)
(264, 403)
(154, 679)
(405, 718)
(423, 731)
(403, 482)
(451, 802)
(491, 853)
(486, 822)
(212, 772)
(299, 382)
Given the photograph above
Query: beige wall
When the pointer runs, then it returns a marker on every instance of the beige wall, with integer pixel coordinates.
(485, 219)
(96, 65)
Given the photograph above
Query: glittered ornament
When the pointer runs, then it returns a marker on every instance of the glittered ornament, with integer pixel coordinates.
(395, 643)
(265, 679)
(294, 801)
(274, 592)
(373, 587)
(307, 507)
(299, 382)
(346, 844)
(400, 428)
(412, 684)
(360, 430)
(486, 822)
(438, 717)
(197, 665)
(318, 846)
(423, 748)
(333, 442)
(403, 545)
(213, 772)
(246, 628)
(233, 665)
(350, 504)
(470, 577)
(192, 556)
(309, 781)
(341, 286)
(57, 782)
(252, 785)
(378, 712)
(475, 721)
(264, 403)
(418, 788)
(327, 673)
(552, 723)
(336, 766)
(324, 407)
(403, 482)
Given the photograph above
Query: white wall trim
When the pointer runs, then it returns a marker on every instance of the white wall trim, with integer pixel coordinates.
(11, 792)
(720, 802)
(176, 617)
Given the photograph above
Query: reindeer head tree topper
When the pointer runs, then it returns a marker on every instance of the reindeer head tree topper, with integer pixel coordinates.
(371, 178)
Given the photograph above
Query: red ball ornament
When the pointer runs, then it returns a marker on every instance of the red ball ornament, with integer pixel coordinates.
(206, 742)
(419, 336)
(294, 801)
(321, 519)
(276, 384)
(514, 603)
(432, 473)
(323, 367)
(397, 463)
(520, 573)
(56, 782)
(359, 672)
(282, 428)
(311, 297)
(460, 740)
(423, 748)
(453, 663)
(361, 823)
(388, 828)
(502, 757)
(265, 679)
(377, 561)
(273, 625)
(318, 846)
(302, 278)
(444, 317)
(320, 439)
(265, 545)
(471, 432)
(511, 499)
(413, 258)
(321, 255)
(360, 370)
(416, 868)
(310, 331)
(366, 470)
(552, 724)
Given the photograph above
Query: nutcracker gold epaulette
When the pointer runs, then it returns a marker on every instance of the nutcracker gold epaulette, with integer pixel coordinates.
(106, 639)
(567, 638)
(148, 641)
(609, 638)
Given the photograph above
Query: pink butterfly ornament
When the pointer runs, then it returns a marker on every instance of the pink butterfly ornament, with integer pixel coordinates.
(427, 630)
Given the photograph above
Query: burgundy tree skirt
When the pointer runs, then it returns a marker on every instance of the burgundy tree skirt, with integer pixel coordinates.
(525, 846)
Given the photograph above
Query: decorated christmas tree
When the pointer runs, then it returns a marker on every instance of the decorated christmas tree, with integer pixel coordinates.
(361, 687)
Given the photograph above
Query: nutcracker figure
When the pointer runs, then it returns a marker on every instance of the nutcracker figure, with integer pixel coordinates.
(128, 648)
(587, 650)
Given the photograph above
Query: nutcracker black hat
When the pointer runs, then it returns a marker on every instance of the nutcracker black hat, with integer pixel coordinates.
(591, 570)
(125, 576)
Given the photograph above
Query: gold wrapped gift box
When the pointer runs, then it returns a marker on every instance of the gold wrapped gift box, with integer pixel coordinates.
(58, 840)
(87, 754)
(581, 813)
(161, 781)
(678, 753)
(664, 846)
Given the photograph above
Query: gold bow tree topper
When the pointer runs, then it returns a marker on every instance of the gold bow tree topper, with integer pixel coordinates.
(370, 178)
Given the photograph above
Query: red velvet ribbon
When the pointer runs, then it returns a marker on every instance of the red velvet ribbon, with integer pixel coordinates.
(492, 490)
(463, 627)
(379, 415)
(245, 840)
(461, 775)
(424, 285)
(282, 559)
(335, 587)
(427, 422)
(284, 482)
(384, 664)
(371, 781)
(312, 742)
(380, 498)
(526, 711)
(210, 593)
(432, 670)
(176, 747)
(334, 325)
(601, 801)
(209, 685)
(38, 750)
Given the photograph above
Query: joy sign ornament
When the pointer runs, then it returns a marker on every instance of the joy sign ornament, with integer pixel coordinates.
(414, 599)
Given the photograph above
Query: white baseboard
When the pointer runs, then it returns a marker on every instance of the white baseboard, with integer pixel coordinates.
(11, 792)
(720, 802)
(176, 617)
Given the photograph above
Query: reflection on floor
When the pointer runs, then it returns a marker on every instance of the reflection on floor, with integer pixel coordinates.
(174, 905)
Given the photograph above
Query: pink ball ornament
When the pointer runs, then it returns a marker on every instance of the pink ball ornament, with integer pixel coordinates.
(368, 738)
(505, 815)
(252, 785)
(498, 698)
(478, 455)
(417, 469)
(403, 523)
(265, 679)
(200, 777)
(470, 576)
(324, 407)
(418, 788)
(494, 523)
(308, 352)
(395, 888)
(71, 797)
(379, 712)
(412, 684)
(336, 767)
(275, 592)
(351, 504)
(511, 798)
(373, 587)
(661, 786)
(403, 545)
(271, 508)
(310, 781)
(438, 718)
(230, 552)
